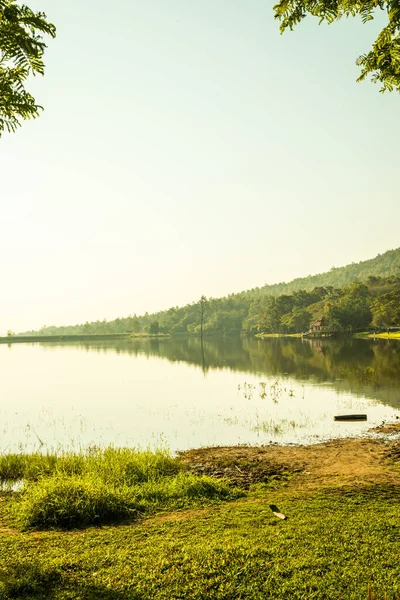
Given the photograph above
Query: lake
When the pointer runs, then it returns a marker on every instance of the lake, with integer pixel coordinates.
(182, 394)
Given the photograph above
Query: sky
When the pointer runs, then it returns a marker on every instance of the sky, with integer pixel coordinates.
(188, 148)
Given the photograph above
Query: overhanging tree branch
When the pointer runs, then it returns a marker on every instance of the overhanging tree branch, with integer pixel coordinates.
(382, 62)
(21, 54)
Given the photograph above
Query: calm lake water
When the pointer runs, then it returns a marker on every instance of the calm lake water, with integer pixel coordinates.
(182, 395)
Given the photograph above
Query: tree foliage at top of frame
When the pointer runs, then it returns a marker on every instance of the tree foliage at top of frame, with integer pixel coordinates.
(21, 54)
(382, 62)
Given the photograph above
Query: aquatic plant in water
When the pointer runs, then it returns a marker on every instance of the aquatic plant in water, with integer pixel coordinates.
(273, 391)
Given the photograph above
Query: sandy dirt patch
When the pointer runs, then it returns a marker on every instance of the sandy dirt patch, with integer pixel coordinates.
(337, 462)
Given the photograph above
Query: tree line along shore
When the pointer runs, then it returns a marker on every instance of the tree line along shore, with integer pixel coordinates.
(368, 306)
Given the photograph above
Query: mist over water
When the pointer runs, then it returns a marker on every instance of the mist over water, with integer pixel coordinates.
(184, 394)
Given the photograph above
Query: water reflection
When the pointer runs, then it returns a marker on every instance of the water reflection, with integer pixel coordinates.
(370, 368)
(231, 391)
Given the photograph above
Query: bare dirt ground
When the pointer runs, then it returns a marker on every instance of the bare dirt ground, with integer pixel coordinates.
(334, 463)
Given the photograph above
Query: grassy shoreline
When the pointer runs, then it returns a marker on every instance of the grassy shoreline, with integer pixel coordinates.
(386, 336)
(278, 335)
(341, 535)
(383, 336)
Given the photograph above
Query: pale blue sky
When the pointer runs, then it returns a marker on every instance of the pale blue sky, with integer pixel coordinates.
(188, 148)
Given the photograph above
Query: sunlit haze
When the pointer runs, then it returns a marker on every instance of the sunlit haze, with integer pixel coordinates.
(187, 148)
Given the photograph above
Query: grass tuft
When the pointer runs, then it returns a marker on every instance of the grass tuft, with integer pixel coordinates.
(192, 486)
(61, 501)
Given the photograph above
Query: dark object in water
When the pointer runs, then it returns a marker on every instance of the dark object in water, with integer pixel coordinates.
(350, 418)
(276, 512)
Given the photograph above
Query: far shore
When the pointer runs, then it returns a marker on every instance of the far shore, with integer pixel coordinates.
(15, 339)
(278, 335)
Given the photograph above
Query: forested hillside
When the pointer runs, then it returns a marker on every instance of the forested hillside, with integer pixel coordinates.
(358, 296)
(383, 265)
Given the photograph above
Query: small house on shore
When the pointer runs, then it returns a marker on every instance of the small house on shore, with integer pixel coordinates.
(319, 326)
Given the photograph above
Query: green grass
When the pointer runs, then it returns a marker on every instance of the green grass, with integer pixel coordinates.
(74, 501)
(388, 336)
(121, 524)
(334, 543)
(71, 501)
(393, 335)
(112, 465)
(103, 486)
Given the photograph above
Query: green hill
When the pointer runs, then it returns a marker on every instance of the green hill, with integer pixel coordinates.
(281, 307)
(384, 265)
